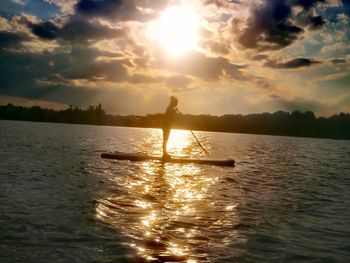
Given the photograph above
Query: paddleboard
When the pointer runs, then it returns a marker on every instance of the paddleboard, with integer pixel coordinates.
(145, 157)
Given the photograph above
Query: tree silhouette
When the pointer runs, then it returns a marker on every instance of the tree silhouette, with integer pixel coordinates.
(296, 123)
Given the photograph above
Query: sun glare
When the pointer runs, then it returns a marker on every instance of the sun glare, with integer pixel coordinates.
(177, 29)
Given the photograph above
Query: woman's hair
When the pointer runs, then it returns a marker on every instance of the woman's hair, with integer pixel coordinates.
(173, 99)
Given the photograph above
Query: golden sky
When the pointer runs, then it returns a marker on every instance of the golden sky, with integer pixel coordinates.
(218, 57)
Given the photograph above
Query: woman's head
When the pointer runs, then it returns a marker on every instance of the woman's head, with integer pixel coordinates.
(173, 101)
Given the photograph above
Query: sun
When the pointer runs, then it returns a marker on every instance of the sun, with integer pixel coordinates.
(177, 29)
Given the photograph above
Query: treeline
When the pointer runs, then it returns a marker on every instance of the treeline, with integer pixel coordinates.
(296, 123)
(91, 115)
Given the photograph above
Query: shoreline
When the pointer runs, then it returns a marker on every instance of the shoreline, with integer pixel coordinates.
(182, 128)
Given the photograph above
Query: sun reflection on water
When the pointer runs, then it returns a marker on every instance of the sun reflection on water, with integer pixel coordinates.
(180, 143)
(169, 212)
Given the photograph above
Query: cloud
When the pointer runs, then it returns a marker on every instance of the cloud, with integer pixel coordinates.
(346, 2)
(259, 57)
(338, 60)
(201, 66)
(58, 66)
(102, 8)
(301, 104)
(131, 10)
(293, 63)
(19, 2)
(269, 28)
(222, 3)
(76, 29)
(339, 81)
(178, 82)
(46, 30)
(14, 32)
(80, 67)
(261, 83)
(217, 47)
(336, 49)
(316, 22)
(307, 4)
(66, 6)
(49, 76)
(344, 102)
(274, 24)
(333, 77)
(11, 40)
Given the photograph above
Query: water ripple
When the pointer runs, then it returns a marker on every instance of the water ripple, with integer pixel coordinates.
(287, 199)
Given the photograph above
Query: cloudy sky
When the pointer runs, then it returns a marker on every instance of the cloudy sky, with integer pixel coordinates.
(216, 56)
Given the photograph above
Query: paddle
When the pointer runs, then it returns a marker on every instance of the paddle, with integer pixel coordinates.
(199, 142)
(200, 145)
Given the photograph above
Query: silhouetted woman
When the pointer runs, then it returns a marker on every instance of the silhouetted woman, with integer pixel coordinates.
(168, 120)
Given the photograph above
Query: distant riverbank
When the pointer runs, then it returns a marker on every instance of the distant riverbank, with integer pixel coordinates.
(296, 123)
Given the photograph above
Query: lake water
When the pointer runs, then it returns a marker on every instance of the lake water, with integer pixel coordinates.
(287, 199)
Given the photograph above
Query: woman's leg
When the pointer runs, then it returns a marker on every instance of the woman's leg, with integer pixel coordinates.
(166, 133)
